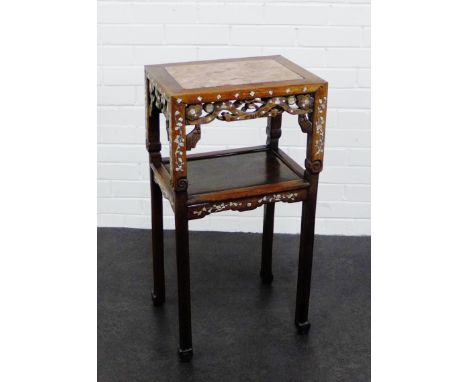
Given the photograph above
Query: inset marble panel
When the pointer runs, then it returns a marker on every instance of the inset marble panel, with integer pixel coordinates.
(207, 75)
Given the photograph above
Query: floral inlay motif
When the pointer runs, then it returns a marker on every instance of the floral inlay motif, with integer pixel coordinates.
(216, 208)
(277, 198)
(207, 209)
(179, 141)
(320, 126)
(178, 153)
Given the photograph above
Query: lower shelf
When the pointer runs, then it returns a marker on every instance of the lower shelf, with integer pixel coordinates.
(241, 179)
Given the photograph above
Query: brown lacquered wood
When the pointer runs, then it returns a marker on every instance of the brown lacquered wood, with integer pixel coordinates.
(267, 243)
(198, 185)
(157, 237)
(225, 153)
(245, 170)
(153, 145)
(306, 252)
(183, 276)
(211, 183)
(273, 132)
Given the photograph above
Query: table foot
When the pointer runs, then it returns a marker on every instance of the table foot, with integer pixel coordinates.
(186, 354)
(157, 300)
(266, 279)
(303, 327)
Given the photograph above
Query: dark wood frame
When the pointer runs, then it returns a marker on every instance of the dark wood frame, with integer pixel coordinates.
(169, 177)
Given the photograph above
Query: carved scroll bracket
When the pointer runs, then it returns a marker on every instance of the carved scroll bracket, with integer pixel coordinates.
(193, 137)
(313, 166)
(181, 185)
(305, 123)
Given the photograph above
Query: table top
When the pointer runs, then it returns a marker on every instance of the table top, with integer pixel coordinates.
(219, 79)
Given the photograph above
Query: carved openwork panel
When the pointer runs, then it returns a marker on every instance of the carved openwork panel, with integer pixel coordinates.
(238, 110)
(200, 210)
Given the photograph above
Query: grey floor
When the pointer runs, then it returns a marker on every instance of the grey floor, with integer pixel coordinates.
(242, 330)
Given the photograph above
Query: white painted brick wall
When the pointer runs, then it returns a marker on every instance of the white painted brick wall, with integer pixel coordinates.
(330, 38)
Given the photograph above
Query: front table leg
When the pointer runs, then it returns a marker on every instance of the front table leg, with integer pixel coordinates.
(306, 253)
(314, 125)
(183, 278)
(178, 169)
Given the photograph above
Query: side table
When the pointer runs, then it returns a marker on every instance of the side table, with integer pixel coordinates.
(196, 93)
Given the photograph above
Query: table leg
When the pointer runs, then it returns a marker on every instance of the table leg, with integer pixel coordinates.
(157, 235)
(267, 243)
(306, 252)
(183, 279)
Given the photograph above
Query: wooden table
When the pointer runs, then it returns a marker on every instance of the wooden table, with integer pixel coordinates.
(196, 93)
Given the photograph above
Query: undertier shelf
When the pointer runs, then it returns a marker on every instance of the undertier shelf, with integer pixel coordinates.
(243, 173)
